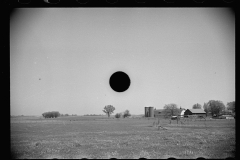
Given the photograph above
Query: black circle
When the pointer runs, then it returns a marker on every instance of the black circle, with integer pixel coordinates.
(119, 81)
(112, 1)
(82, 1)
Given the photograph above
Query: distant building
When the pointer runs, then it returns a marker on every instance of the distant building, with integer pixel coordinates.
(158, 113)
(149, 112)
(199, 112)
(182, 112)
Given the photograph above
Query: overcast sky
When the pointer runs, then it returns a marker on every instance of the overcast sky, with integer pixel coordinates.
(62, 59)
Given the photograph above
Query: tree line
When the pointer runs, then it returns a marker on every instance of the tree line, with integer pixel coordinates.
(53, 114)
(215, 107)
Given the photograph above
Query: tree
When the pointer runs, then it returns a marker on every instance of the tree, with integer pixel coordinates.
(126, 114)
(231, 106)
(171, 110)
(216, 107)
(206, 108)
(197, 106)
(118, 115)
(108, 110)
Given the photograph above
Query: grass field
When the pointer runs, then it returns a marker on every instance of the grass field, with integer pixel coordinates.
(100, 137)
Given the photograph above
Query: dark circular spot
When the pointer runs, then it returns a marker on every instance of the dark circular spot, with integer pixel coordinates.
(140, 1)
(169, 1)
(24, 1)
(112, 1)
(52, 1)
(119, 81)
(228, 1)
(82, 1)
(199, 1)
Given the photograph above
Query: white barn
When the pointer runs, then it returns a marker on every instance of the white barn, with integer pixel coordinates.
(182, 113)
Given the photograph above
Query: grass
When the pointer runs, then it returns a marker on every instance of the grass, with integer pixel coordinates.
(130, 138)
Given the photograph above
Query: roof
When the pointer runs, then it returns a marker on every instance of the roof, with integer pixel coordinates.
(197, 110)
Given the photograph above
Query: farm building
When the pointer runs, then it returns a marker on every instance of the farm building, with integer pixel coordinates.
(158, 113)
(199, 112)
(182, 112)
(149, 112)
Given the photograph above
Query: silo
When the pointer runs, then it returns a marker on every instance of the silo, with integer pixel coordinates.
(151, 112)
(146, 112)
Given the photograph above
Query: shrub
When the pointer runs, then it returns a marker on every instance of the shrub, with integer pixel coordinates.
(126, 114)
(53, 114)
(118, 115)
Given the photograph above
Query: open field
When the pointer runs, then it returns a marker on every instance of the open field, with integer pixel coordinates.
(100, 137)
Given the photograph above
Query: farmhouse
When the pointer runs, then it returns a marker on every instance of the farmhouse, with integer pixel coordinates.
(199, 112)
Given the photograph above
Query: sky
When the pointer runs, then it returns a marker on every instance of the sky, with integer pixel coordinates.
(61, 59)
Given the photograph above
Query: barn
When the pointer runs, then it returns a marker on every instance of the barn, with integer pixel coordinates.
(199, 112)
(182, 112)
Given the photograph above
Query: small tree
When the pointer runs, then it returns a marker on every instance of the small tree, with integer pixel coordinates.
(108, 110)
(197, 106)
(126, 114)
(118, 115)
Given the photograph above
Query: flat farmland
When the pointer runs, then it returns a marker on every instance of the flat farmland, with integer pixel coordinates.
(97, 137)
